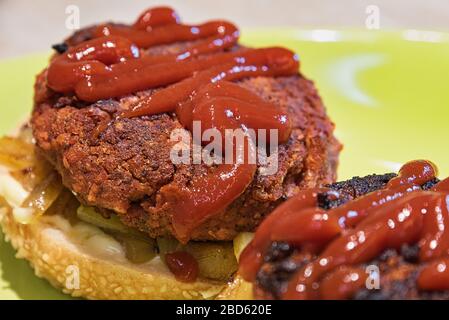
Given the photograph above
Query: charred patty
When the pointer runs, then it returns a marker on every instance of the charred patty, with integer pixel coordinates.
(399, 268)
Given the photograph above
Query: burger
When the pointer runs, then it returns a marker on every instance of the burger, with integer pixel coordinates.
(90, 193)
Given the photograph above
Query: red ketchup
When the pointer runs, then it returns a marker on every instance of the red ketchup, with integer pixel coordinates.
(183, 266)
(358, 232)
(197, 87)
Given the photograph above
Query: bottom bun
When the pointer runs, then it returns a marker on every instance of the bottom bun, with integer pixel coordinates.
(69, 266)
(238, 289)
(54, 257)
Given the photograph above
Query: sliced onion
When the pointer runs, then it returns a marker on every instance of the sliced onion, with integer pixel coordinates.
(29, 178)
(16, 154)
(44, 194)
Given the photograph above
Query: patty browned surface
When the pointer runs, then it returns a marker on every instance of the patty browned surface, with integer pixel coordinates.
(398, 268)
(125, 167)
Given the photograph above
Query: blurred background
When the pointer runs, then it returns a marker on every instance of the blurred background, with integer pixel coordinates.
(28, 26)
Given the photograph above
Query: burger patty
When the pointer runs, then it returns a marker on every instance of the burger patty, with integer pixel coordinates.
(398, 268)
(123, 169)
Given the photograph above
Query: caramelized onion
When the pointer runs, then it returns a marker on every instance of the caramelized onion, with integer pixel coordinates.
(44, 195)
(16, 154)
(30, 177)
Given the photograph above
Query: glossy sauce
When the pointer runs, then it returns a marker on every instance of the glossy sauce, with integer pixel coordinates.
(435, 276)
(358, 232)
(252, 256)
(197, 85)
(342, 283)
(183, 266)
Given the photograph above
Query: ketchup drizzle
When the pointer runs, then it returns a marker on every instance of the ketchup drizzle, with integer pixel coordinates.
(197, 85)
(183, 265)
(357, 232)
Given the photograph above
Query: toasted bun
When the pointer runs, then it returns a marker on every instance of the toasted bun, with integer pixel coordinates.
(238, 289)
(56, 256)
(52, 255)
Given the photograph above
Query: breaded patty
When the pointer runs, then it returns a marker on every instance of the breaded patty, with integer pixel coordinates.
(124, 169)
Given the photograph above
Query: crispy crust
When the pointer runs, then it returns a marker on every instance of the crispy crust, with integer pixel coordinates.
(50, 252)
(128, 166)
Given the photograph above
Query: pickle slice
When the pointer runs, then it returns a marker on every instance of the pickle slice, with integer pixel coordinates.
(66, 205)
(137, 250)
(16, 154)
(216, 260)
(113, 223)
(168, 245)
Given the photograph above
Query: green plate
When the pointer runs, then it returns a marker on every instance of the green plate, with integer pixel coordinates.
(388, 93)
